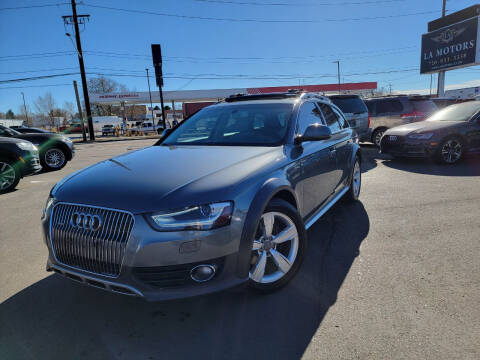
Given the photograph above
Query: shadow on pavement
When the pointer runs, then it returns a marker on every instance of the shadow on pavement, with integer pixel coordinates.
(370, 157)
(469, 166)
(59, 319)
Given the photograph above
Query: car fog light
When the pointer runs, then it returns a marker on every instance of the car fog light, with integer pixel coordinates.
(202, 273)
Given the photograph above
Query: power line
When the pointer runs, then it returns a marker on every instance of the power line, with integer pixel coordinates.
(37, 78)
(32, 6)
(32, 86)
(374, 53)
(194, 17)
(213, 76)
(37, 55)
(231, 2)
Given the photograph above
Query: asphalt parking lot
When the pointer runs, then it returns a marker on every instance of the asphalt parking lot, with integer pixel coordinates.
(395, 276)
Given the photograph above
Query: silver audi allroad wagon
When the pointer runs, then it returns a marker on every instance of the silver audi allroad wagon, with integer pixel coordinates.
(223, 199)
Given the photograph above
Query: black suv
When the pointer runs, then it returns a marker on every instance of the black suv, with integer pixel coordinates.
(18, 158)
(54, 149)
(390, 111)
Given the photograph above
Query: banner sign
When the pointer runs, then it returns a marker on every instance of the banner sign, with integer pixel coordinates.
(451, 47)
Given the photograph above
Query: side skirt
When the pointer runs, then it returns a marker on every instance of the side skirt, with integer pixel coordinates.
(313, 219)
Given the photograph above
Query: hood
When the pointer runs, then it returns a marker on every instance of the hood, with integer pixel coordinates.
(422, 126)
(163, 177)
(4, 140)
(39, 137)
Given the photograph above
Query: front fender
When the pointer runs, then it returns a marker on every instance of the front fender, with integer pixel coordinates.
(266, 192)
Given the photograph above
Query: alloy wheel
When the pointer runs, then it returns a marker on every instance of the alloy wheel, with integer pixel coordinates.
(451, 151)
(275, 248)
(378, 137)
(356, 179)
(7, 175)
(54, 158)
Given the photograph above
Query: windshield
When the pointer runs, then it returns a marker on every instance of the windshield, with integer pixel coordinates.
(7, 131)
(237, 124)
(458, 112)
(350, 105)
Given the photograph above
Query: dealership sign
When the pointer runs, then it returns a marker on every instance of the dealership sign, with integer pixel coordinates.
(451, 47)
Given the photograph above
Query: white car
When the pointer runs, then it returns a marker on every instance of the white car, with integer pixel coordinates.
(147, 127)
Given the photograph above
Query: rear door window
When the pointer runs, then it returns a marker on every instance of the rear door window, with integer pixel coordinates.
(350, 105)
(307, 116)
(331, 118)
(388, 106)
(370, 106)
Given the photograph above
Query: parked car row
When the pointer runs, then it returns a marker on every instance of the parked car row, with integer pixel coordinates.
(22, 154)
(446, 136)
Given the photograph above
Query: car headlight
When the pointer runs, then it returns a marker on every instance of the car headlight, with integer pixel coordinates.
(424, 136)
(48, 204)
(201, 217)
(27, 146)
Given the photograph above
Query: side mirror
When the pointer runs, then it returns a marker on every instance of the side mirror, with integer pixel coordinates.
(165, 133)
(314, 132)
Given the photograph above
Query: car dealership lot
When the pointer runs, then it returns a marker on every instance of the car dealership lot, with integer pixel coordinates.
(396, 275)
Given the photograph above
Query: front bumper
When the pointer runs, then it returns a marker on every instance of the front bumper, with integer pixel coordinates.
(30, 164)
(156, 265)
(405, 147)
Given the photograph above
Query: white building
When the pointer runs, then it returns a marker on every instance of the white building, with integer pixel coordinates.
(465, 93)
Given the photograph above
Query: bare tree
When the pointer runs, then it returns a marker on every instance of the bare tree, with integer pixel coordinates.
(103, 85)
(69, 109)
(26, 116)
(45, 106)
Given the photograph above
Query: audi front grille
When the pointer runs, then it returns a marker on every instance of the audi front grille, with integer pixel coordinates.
(90, 238)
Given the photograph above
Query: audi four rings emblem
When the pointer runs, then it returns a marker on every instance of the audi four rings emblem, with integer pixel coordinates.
(85, 221)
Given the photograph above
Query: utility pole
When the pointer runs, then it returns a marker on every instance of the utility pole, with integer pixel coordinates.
(441, 74)
(390, 88)
(150, 94)
(74, 19)
(79, 106)
(338, 72)
(25, 107)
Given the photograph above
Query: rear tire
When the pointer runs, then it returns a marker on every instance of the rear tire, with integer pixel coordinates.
(377, 136)
(53, 159)
(353, 192)
(278, 248)
(9, 176)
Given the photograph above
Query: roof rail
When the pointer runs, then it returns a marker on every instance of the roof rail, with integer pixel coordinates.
(316, 96)
(278, 95)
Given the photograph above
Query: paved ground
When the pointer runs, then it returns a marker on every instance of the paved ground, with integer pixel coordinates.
(396, 276)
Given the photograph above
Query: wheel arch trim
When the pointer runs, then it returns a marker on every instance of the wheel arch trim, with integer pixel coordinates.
(264, 195)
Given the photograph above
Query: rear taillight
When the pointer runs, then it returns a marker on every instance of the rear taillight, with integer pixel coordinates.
(413, 114)
(368, 119)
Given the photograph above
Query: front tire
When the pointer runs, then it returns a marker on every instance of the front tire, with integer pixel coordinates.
(450, 151)
(278, 247)
(9, 176)
(54, 159)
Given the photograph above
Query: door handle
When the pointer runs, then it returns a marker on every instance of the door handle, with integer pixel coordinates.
(332, 152)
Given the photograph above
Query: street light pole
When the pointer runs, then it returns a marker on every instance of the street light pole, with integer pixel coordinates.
(338, 73)
(150, 94)
(25, 107)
